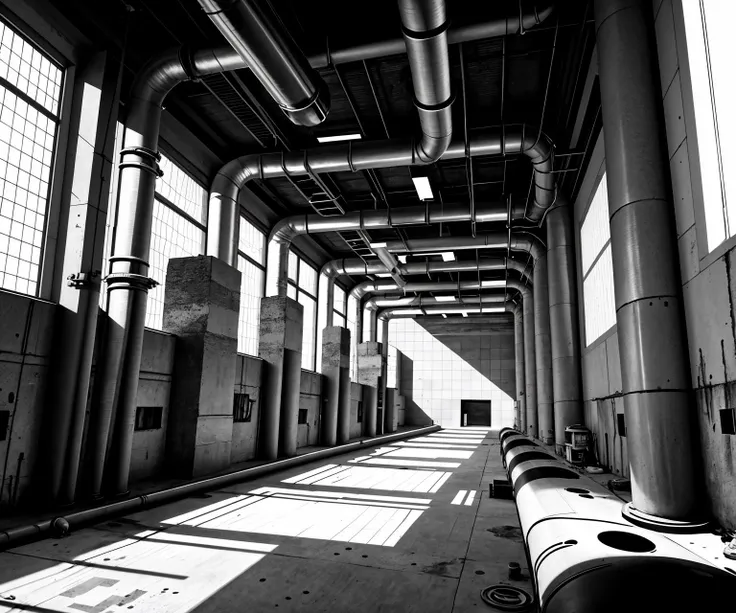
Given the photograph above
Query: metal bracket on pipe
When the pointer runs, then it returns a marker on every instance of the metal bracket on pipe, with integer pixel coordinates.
(82, 280)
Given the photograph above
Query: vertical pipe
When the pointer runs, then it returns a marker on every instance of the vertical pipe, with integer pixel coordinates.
(519, 358)
(652, 343)
(530, 363)
(563, 311)
(372, 326)
(329, 301)
(388, 412)
(545, 417)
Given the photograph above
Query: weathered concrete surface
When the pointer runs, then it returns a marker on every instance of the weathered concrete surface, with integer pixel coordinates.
(280, 348)
(310, 400)
(286, 540)
(370, 365)
(201, 308)
(247, 381)
(335, 426)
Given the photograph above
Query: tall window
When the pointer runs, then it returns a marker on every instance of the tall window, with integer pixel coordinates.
(303, 287)
(179, 218)
(30, 97)
(340, 307)
(251, 264)
(708, 33)
(595, 246)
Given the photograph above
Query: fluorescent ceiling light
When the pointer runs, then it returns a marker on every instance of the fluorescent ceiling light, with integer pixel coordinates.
(448, 256)
(402, 259)
(445, 298)
(444, 315)
(493, 283)
(424, 189)
(338, 138)
(383, 275)
(378, 245)
(465, 313)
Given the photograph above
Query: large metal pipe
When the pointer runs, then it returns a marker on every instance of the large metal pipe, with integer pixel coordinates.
(374, 304)
(385, 287)
(530, 359)
(652, 346)
(351, 157)
(563, 315)
(274, 58)
(542, 351)
(519, 359)
(438, 309)
(424, 26)
(524, 242)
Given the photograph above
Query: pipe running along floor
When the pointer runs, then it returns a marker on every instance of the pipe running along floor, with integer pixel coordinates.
(408, 526)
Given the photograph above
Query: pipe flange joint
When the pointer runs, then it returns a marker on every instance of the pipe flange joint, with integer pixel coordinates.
(148, 159)
(128, 280)
(426, 34)
(187, 63)
(435, 108)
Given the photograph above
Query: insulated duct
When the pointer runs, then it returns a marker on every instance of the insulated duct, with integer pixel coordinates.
(274, 58)
(519, 359)
(352, 157)
(543, 353)
(424, 25)
(530, 359)
(357, 266)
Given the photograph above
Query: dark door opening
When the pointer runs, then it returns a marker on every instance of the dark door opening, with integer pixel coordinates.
(475, 412)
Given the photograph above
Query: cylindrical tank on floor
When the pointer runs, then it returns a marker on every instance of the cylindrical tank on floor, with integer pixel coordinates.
(585, 556)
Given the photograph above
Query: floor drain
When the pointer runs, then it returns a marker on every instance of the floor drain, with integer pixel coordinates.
(506, 598)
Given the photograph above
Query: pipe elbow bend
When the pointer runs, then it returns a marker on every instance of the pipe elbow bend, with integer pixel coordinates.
(312, 111)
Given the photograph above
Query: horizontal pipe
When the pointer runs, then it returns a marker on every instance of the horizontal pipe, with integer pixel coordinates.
(395, 312)
(79, 518)
(422, 300)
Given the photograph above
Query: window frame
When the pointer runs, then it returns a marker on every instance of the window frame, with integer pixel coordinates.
(47, 285)
(295, 286)
(261, 266)
(705, 257)
(335, 311)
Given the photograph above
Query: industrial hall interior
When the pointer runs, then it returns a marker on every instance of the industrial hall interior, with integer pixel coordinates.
(418, 306)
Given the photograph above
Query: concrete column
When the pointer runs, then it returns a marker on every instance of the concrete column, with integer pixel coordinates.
(391, 416)
(280, 347)
(651, 337)
(88, 173)
(370, 364)
(336, 372)
(201, 308)
(542, 352)
(563, 313)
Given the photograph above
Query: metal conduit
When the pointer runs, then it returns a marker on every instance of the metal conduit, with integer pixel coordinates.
(274, 58)
(520, 368)
(424, 26)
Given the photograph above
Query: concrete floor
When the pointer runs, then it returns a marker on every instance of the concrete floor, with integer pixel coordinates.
(404, 527)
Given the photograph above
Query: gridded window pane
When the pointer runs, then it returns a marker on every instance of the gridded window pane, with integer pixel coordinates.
(173, 236)
(251, 242)
(596, 230)
(182, 190)
(340, 320)
(291, 291)
(251, 292)
(27, 139)
(24, 66)
(307, 278)
(600, 305)
(308, 331)
(293, 266)
(339, 300)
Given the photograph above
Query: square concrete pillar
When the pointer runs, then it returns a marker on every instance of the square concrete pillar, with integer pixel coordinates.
(280, 347)
(201, 306)
(336, 372)
(370, 367)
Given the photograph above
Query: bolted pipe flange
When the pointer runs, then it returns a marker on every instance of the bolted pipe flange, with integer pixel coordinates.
(662, 524)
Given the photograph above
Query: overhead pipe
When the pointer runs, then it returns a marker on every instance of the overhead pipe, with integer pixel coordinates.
(438, 309)
(655, 374)
(386, 287)
(352, 157)
(424, 25)
(563, 315)
(273, 56)
(524, 242)
(389, 261)
(374, 304)
(518, 312)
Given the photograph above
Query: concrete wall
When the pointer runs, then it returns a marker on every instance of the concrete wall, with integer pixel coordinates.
(310, 399)
(25, 348)
(154, 388)
(444, 362)
(247, 381)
